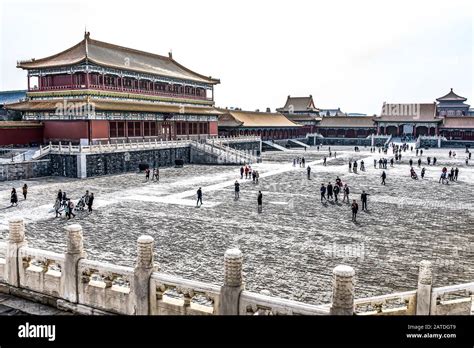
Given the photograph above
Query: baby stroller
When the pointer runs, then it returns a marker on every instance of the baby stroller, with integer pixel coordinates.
(81, 204)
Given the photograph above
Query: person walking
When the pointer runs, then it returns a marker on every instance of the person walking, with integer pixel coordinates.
(13, 198)
(434, 161)
(237, 190)
(246, 170)
(456, 173)
(375, 163)
(199, 197)
(25, 190)
(383, 176)
(419, 162)
(329, 189)
(241, 173)
(363, 198)
(355, 209)
(308, 171)
(70, 207)
(64, 199)
(350, 166)
(86, 198)
(324, 161)
(259, 202)
(90, 201)
(60, 196)
(57, 207)
(336, 193)
(257, 175)
(147, 174)
(155, 175)
(322, 190)
(346, 193)
(422, 172)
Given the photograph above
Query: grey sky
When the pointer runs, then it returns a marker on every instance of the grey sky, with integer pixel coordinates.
(349, 54)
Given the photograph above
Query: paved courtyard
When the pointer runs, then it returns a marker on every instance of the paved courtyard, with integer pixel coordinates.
(290, 248)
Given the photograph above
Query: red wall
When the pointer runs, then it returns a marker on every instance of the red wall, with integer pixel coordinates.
(21, 135)
(99, 129)
(65, 130)
(213, 128)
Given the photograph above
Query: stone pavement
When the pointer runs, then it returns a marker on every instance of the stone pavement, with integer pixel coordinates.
(291, 248)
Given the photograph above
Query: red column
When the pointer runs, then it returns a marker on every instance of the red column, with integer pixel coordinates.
(87, 80)
(29, 81)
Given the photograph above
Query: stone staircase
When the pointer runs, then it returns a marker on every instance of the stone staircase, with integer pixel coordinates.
(224, 154)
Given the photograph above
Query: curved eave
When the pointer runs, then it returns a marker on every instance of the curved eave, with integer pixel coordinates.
(27, 63)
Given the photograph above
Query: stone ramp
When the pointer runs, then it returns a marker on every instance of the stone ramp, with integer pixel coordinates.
(273, 145)
(299, 143)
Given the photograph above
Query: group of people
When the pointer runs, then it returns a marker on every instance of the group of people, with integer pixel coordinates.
(155, 174)
(14, 195)
(249, 173)
(446, 176)
(64, 203)
(333, 191)
(300, 161)
(354, 165)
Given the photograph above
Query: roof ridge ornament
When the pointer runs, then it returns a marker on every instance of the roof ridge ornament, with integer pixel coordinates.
(86, 39)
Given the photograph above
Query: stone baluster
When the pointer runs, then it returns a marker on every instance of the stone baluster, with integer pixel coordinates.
(423, 293)
(16, 239)
(75, 252)
(343, 291)
(233, 282)
(141, 275)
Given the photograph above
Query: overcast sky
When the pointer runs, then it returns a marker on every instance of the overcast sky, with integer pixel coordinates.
(349, 54)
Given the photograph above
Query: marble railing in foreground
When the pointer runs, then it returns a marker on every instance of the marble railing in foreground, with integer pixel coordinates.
(72, 282)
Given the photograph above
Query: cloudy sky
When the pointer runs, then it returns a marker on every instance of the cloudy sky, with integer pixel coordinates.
(349, 54)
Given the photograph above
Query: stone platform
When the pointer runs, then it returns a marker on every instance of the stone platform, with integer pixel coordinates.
(291, 248)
